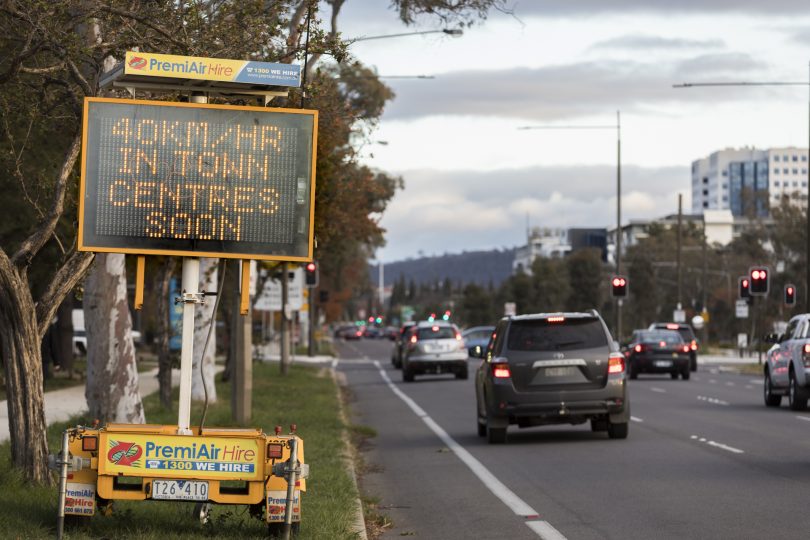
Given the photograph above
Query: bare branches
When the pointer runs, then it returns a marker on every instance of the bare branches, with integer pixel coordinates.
(68, 276)
(147, 23)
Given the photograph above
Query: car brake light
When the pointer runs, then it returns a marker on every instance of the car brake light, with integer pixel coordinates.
(807, 349)
(672, 326)
(414, 339)
(662, 344)
(638, 348)
(806, 355)
(458, 336)
(556, 319)
(501, 371)
(615, 364)
(686, 348)
(693, 345)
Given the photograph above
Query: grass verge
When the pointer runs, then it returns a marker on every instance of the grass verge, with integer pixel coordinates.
(306, 397)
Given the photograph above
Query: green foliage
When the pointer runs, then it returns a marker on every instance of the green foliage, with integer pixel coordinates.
(585, 273)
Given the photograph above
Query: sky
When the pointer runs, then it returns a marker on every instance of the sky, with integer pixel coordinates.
(473, 179)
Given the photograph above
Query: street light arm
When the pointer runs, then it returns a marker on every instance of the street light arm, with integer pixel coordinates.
(455, 32)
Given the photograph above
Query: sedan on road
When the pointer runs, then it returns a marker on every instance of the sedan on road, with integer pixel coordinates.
(658, 351)
(434, 347)
(688, 336)
(551, 368)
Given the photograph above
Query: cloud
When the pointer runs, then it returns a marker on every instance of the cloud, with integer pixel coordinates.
(566, 91)
(647, 42)
(552, 8)
(452, 211)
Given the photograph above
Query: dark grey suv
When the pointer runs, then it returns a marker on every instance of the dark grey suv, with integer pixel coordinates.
(551, 368)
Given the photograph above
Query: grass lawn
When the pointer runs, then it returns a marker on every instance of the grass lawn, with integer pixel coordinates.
(306, 397)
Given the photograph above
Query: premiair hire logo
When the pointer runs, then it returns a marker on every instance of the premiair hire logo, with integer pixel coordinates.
(136, 62)
(124, 453)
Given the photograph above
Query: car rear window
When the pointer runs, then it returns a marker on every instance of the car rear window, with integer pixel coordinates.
(541, 335)
(670, 338)
(436, 332)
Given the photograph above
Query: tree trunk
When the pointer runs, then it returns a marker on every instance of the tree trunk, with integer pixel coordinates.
(165, 307)
(64, 324)
(202, 324)
(112, 376)
(20, 348)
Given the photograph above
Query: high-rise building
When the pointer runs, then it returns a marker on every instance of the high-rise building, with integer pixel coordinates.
(748, 181)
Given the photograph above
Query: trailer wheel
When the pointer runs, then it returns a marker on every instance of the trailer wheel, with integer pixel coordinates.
(202, 512)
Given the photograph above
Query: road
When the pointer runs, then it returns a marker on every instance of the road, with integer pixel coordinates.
(704, 459)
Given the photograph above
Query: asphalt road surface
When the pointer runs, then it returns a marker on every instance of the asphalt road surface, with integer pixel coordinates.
(704, 459)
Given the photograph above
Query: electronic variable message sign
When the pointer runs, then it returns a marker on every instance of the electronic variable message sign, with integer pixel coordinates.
(197, 180)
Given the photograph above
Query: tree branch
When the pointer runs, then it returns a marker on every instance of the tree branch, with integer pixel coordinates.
(146, 22)
(31, 246)
(69, 274)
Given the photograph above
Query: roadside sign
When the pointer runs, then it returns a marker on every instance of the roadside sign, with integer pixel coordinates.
(741, 309)
(742, 341)
(678, 316)
(197, 180)
(270, 299)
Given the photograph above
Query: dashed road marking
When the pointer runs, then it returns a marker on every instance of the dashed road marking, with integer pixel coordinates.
(730, 384)
(712, 381)
(713, 400)
(755, 381)
(636, 419)
(659, 390)
(749, 387)
(805, 418)
(543, 528)
(714, 444)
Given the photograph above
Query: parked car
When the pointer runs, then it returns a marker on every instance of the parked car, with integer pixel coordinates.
(373, 332)
(434, 347)
(787, 363)
(399, 344)
(477, 338)
(688, 336)
(657, 351)
(551, 368)
(349, 332)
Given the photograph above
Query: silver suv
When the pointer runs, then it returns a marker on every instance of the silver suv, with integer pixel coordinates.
(551, 368)
(433, 347)
(787, 371)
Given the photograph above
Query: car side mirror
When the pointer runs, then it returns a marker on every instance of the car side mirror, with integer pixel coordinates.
(772, 338)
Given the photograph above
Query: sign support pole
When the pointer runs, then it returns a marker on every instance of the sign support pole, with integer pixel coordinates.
(190, 298)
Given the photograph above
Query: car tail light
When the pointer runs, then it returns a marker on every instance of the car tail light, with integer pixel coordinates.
(672, 326)
(806, 355)
(615, 364)
(686, 348)
(458, 336)
(693, 345)
(556, 319)
(414, 339)
(662, 344)
(501, 370)
(639, 348)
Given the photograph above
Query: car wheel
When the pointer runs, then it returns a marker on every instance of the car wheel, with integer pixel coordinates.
(617, 431)
(633, 370)
(481, 423)
(771, 399)
(693, 363)
(495, 435)
(462, 373)
(407, 374)
(674, 374)
(797, 398)
(685, 373)
(599, 424)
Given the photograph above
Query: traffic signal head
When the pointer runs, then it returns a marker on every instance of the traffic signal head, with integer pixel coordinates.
(790, 294)
(311, 274)
(759, 277)
(618, 286)
(446, 315)
(744, 291)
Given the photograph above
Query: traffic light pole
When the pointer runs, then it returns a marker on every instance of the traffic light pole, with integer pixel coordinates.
(285, 323)
(312, 319)
(618, 219)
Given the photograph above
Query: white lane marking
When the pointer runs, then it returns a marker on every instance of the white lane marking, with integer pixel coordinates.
(636, 419)
(714, 444)
(713, 400)
(712, 381)
(659, 390)
(749, 387)
(730, 384)
(543, 529)
(725, 447)
(805, 418)
(755, 381)
(695, 378)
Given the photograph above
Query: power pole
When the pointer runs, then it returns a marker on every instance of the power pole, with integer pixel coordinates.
(242, 368)
(678, 254)
(618, 218)
(285, 323)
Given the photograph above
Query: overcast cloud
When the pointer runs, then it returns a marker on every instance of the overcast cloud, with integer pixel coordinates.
(579, 7)
(641, 41)
(451, 211)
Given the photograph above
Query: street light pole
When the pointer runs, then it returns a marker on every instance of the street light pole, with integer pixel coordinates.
(807, 206)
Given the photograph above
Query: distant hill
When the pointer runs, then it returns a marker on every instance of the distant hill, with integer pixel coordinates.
(479, 267)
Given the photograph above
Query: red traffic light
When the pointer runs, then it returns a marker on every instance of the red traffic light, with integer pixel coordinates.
(619, 286)
(311, 267)
(790, 295)
(759, 281)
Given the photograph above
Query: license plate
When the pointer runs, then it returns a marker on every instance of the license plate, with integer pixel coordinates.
(180, 490)
(559, 371)
(663, 363)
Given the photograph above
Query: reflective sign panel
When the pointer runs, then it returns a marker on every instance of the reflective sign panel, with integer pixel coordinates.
(197, 180)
